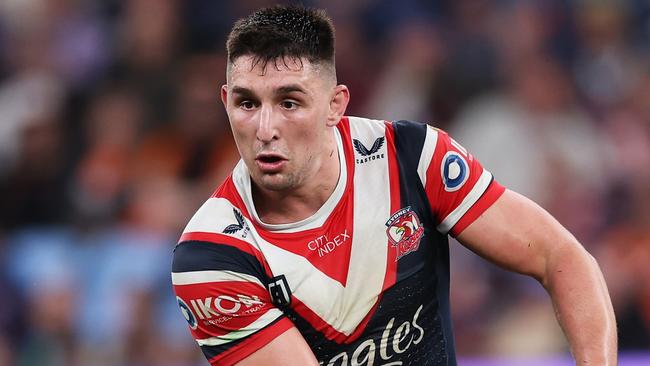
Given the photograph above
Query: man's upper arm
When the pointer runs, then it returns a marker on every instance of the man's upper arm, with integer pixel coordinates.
(518, 235)
(289, 348)
(221, 291)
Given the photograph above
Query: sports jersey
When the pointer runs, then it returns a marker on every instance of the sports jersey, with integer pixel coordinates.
(365, 279)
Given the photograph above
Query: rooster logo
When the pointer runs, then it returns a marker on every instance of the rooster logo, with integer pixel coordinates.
(404, 231)
(240, 225)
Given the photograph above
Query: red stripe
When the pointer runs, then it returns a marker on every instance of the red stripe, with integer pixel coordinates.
(395, 203)
(319, 324)
(224, 186)
(344, 129)
(251, 344)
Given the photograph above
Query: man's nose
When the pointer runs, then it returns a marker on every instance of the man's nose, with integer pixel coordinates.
(266, 131)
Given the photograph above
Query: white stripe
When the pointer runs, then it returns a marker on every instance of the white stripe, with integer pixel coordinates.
(455, 144)
(370, 242)
(430, 142)
(258, 324)
(469, 201)
(194, 277)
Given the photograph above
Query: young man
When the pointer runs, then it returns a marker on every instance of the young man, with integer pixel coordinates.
(328, 243)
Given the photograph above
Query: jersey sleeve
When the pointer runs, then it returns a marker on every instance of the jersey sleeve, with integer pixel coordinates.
(458, 188)
(221, 290)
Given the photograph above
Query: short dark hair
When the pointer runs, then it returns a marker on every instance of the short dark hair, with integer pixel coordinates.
(283, 31)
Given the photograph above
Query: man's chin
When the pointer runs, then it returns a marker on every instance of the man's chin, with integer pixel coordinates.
(274, 182)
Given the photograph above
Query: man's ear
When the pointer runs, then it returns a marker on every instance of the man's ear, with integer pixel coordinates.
(224, 95)
(338, 104)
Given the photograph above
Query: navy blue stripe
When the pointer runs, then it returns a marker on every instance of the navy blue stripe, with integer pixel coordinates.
(206, 256)
(409, 142)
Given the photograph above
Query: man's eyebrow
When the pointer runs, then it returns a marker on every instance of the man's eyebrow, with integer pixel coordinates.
(286, 89)
(242, 90)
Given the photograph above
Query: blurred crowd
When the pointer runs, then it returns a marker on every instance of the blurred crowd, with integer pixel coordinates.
(112, 134)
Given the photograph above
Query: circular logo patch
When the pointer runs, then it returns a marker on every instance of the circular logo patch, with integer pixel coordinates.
(187, 313)
(454, 171)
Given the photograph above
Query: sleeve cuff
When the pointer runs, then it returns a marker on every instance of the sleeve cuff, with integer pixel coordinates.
(491, 194)
(252, 344)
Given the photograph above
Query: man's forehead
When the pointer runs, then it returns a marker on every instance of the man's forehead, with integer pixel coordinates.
(250, 64)
(298, 68)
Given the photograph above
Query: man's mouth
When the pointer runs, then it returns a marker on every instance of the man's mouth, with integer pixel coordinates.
(270, 163)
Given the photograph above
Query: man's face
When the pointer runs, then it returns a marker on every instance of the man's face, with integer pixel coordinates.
(280, 117)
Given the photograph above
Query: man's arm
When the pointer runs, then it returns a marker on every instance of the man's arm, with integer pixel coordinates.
(518, 235)
(288, 349)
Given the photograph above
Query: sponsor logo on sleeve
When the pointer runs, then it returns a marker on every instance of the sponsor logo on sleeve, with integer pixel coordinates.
(404, 231)
(369, 154)
(454, 171)
(216, 310)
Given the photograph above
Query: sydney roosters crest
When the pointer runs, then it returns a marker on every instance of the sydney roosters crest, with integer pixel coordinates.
(404, 231)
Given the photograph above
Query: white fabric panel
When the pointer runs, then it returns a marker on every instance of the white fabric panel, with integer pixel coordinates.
(195, 277)
(430, 142)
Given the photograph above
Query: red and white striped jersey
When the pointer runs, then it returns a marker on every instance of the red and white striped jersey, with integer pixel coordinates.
(365, 279)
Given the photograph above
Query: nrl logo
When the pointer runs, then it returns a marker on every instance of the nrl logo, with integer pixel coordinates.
(404, 231)
(240, 225)
(368, 154)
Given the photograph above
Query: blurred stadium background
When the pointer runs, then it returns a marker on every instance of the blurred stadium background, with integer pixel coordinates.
(112, 134)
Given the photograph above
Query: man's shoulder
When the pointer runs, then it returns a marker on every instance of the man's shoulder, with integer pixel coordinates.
(220, 230)
(371, 122)
(408, 139)
(223, 218)
(356, 126)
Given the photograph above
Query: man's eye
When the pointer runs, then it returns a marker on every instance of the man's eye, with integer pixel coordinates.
(288, 104)
(247, 104)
